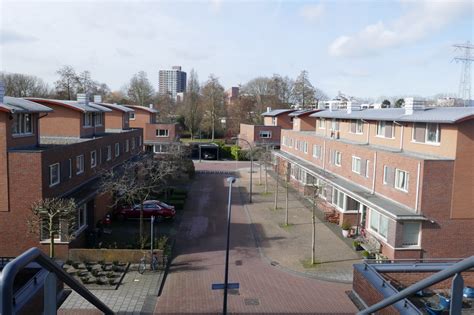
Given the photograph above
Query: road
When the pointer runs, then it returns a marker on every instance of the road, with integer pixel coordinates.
(199, 258)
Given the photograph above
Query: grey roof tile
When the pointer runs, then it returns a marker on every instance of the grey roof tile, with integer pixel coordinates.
(148, 109)
(277, 112)
(20, 105)
(118, 107)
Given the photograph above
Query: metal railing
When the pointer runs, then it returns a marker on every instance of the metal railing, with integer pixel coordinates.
(10, 271)
(456, 288)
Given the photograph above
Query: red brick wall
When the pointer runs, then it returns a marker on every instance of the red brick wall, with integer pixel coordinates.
(142, 117)
(3, 163)
(406, 279)
(150, 132)
(284, 121)
(116, 120)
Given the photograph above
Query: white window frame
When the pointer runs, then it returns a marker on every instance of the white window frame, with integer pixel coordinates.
(79, 164)
(274, 121)
(322, 123)
(81, 209)
(109, 153)
(338, 198)
(265, 134)
(335, 125)
(131, 115)
(375, 223)
(317, 151)
(93, 159)
(70, 168)
(355, 160)
(117, 149)
(407, 244)
(87, 120)
(397, 179)
(359, 127)
(305, 147)
(22, 125)
(98, 119)
(385, 167)
(58, 168)
(380, 130)
(166, 133)
(438, 134)
(127, 145)
(337, 158)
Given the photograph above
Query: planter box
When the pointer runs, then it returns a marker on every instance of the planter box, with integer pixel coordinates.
(123, 255)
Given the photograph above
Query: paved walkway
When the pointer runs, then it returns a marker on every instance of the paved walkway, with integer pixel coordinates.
(290, 246)
(200, 254)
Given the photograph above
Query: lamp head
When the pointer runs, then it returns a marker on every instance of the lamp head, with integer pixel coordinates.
(231, 180)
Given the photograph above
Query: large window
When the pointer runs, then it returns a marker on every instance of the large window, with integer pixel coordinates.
(401, 180)
(131, 115)
(109, 153)
(79, 164)
(357, 126)
(117, 149)
(127, 145)
(426, 133)
(93, 159)
(305, 147)
(160, 148)
(317, 151)
(22, 124)
(411, 232)
(162, 133)
(338, 198)
(54, 174)
(335, 125)
(99, 119)
(322, 123)
(379, 223)
(87, 119)
(356, 164)
(81, 216)
(385, 129)
(265, 134)
(337, 158)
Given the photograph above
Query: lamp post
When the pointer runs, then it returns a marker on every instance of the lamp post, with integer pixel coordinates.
(230, 180)
(251, 165)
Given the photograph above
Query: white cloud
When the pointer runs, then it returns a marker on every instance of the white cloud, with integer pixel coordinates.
(312, 12)
(420, 20)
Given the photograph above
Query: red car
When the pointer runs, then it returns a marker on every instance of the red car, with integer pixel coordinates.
(155, 208)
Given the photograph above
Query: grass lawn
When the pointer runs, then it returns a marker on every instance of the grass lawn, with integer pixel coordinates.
(189, 140)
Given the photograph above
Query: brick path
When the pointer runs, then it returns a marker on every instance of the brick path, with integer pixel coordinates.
(199, 262)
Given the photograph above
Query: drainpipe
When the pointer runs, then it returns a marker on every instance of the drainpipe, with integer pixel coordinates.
(417, 187)
(374, 173)
(324, 154)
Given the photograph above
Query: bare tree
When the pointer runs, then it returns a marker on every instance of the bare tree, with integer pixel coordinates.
(67, 84)
(192, 108)
(142, 177)
(280, 88)
(303, 91)
(166, 107)
(116, 97)
(54, 216)
(213, 100)
(139, 90)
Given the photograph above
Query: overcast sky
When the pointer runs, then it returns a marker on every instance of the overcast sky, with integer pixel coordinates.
(362, 48)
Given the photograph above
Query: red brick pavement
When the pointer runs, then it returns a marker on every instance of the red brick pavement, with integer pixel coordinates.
(200, 256)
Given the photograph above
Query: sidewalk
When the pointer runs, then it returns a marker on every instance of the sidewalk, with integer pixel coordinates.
(289, 247)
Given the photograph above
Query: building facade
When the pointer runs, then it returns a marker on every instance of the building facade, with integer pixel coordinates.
(42, 156)
(401, 177)
(172, 82)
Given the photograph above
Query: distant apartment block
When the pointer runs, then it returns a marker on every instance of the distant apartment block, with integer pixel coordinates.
(232, 95)
(158, 137)
(172, 82)
(402, 177)
(55, 148)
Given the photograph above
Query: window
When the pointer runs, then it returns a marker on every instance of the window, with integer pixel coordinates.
(117, 149)
(356, 165)
(127, 145)
(81, 216)
(133, 143)
(305, 147)
(401, 180)
(335, 125)
(98, 119)
(79, 164)
(274, 121)
(131, 115)
(322, 123)
(139, 140)
(283, 140)
(426, 133)
(162, 132)
(109, 153)
(160, 148)
(317, 152)
(411, 232)
(265, 134)
(87, 119)
(379, 223)
(385, 129)
(22, 124)
(357, 126)
(337, 158)
(338, 198)
(70, 168)
(54, 174)
(93, 159)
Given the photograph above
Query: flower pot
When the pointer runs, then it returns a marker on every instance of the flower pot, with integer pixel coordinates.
(345, 233)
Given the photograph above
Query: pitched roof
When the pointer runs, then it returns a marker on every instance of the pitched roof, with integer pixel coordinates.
(303, 112)
(148, 109)
(19, 105)
(81, 107)
(448, 115)
(277, 112)
(118, 107)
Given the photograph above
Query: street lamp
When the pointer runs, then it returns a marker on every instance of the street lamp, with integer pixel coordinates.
(251, 165)
(230, 180)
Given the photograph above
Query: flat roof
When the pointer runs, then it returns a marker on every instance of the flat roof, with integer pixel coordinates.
(359, 193)
(20, 105)
(75, 105)
(148, 109)
(447, 115)
(277, 112)
(303, 112)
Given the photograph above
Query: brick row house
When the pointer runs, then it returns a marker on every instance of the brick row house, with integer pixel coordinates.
(403, 178)
(55, 148)
(158, 137)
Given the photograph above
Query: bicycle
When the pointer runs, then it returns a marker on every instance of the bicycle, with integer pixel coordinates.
(153, 263)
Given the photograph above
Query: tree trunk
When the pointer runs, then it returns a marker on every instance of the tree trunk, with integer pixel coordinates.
(51, 244)
(260, 173)
(266, 178)
(286, 219)
(276, 189)
(313, 244)
(141, 224)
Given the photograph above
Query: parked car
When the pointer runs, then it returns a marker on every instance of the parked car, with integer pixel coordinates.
(155, 208)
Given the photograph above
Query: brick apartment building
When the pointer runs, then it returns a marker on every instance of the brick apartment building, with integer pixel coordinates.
(269, 133)
(403, 176)
(157, 137)
(53, 148)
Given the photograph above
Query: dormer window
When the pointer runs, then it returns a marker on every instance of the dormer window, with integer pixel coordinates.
(98, 119)
(22, 124)
(131, 115)
(87, 119)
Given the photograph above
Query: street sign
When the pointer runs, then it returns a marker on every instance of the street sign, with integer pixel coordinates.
(220, 286)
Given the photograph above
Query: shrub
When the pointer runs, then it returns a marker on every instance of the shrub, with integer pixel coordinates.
(234, 151)
(226, 152)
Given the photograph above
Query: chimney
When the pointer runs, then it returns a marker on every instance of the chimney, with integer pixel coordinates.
(352, 106)
(97, 98)
(83, 98)
(2, 91)
(269, 109)
(413, 104)
(151, 106)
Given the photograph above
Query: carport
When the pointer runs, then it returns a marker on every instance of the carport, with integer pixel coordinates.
(208, 147)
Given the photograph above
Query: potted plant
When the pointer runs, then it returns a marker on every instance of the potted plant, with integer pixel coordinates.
(356, 245)
(345, 226)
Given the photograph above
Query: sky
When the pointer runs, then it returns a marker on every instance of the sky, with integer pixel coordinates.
(361, 48)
